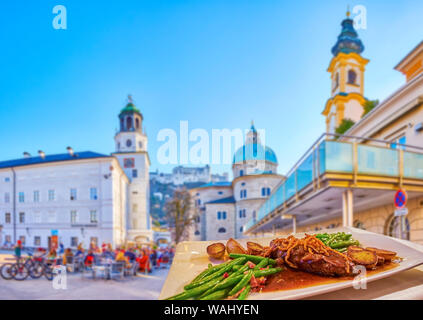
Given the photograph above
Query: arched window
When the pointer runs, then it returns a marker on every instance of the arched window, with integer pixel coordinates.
(241, 172)
(394, 228)
(222, 230)
(336, 81)
(122, 124)
(128, 143)
(197, 233)
(352, 77)
(137, 123)
(129, 123)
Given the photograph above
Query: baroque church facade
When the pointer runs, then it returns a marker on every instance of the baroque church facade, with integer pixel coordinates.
(223, 208)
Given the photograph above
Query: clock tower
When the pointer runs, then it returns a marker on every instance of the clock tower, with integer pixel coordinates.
(131, 151)
(347, 69)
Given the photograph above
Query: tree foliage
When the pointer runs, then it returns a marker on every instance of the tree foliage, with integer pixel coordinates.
(345, 125)
(369, 105)
(178, 213)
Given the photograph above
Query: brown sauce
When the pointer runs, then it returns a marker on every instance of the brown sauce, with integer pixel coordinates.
(289, 279)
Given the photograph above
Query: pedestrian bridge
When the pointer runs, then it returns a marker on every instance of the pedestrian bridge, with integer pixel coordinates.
(336, 175)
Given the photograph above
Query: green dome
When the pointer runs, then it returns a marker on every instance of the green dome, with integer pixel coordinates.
(130, 108)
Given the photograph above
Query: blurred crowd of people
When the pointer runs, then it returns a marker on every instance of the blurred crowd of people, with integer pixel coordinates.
(147, 257)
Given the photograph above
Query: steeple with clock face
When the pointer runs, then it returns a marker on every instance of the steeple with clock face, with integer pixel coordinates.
(130, 137)
(132, 154)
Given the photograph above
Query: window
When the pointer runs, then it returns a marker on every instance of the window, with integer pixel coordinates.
(352, 77)
(265, 192)
(128, 143)
(134, 173)
(129, 123)
(7, 179)
(51, 195)
(222, 230)
(7, 197)
(242, 213)
(73, 194)
(74, 241)
(394, 228)
(93, 216)
(129, 162)
(137, 123)
(7, 218)
(93, 193)
(37, 241)
(241, 229)
(74, 217)
(243, 193)
(21, 197)
(221, 215)
(22, 238)
(197, 233)
(21, 217)
(241, 172)
(36, 196)
(220, 193)
(140, 144)
(197, 219)
(402, 140)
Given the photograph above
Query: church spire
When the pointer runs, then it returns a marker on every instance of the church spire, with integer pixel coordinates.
(348, 40)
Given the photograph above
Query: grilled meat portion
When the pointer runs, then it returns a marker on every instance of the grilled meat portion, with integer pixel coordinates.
(311, 255)
(330, 265)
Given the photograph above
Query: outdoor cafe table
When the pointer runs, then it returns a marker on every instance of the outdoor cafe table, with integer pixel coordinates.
(403, 285)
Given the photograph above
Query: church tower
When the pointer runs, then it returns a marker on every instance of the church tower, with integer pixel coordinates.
(347, 69)
(131, 151)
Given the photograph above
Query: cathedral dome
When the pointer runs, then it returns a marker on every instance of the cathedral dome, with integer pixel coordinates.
(348, 40)
(254, 152)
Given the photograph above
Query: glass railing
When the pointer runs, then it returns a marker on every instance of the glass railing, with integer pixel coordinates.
(331, 156)
(413, 165)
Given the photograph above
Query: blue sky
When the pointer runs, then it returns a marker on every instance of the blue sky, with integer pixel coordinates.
(218, 64)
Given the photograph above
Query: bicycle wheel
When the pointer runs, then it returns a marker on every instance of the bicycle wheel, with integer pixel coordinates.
(36, 270)
(48, 272)
(6, 271)
(20, 272)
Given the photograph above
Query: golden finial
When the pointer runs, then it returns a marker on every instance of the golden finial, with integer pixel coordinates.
(348, 11)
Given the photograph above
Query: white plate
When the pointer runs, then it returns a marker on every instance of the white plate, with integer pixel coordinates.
(191, 258)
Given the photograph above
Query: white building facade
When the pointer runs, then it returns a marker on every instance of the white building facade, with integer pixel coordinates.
(82, 197)
(223, 208)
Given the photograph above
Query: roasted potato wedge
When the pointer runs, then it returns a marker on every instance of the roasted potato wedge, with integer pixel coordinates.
(380, 260)
(355, 248)
(254, 248)
(363, 257)
(386, 254)
(233, 246)
(216, 250)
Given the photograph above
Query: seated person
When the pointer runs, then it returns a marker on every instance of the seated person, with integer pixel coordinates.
(89, 259)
